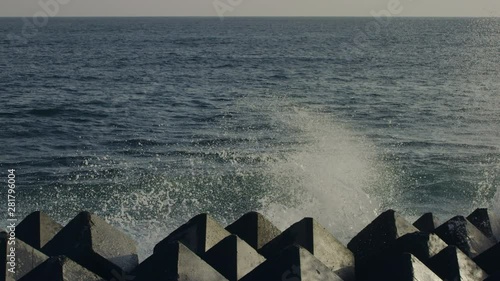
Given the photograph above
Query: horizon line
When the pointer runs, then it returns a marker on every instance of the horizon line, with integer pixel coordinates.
(281, 16)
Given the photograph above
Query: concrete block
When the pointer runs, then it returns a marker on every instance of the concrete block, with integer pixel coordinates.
(489, 260)
(3, 254)
(422, 245)
(293, 263)
(384, 230)
(26, 258)
(494, 277)
(96, 245)
(255, 229)
(60, 268)
(487, 222)
(144, 270)
(176, 262)
(233, 258)
(404, 267)
(459, 232)
(426, 223)
(318, 241)
(37, 229)
(199, 234)
(453, 264)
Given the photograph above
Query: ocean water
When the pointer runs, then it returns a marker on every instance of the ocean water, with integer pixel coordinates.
(150, 121)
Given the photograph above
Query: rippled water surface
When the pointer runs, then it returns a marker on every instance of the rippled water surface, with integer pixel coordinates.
(149, 121)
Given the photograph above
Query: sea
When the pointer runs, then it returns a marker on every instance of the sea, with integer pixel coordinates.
(148, 122)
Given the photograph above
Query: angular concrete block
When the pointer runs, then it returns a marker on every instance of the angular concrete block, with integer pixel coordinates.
(459, 232)
(422, 245)
(176, 262)
(487, 222)
(26, 258)
(37, 229)
(3, 254)
(255, 229)
(453, 264)
(144, 269)
(426, 223)
(293, 263)
(199, 234)
(489, 260)
(494, 277)
(96, 245)
(318, 241)
(60, 268)
(385, 229)
(233, 258)
(404, 267)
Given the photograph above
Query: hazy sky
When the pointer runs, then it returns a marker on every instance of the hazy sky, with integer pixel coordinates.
(252, 7)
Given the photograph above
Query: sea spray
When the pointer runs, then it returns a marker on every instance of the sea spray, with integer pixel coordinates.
(285, 160)
(324, 170)
(495, 186)
(333, 173)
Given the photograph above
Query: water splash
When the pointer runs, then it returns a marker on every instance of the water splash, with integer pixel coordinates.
(287, 162)
(323, 170)
(496, 203)
(486, 186)
(493, 184)
(332, 174)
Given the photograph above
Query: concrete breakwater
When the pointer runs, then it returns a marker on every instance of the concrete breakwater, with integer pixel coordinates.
(253, 249)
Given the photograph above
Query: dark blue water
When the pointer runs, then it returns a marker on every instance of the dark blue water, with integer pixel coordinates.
(148, 121)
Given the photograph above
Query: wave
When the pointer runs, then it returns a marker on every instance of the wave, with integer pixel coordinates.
(46, 112)
(446, 144)
(66, 110)
(279, 77)
(301, 163)
(226, 65)
(136, 143)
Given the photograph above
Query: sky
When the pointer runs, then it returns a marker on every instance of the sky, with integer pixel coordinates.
(433, 8)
